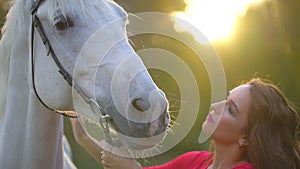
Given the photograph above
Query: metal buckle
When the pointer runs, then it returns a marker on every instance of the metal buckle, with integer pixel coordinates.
(103, 120)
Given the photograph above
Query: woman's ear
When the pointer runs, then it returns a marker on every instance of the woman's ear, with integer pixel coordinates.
(243, 141)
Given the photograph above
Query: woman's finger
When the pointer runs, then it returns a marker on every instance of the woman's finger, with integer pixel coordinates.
(110, 160)
(113, 157)
(120, 151)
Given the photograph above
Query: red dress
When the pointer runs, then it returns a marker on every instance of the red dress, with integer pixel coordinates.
(195, 160)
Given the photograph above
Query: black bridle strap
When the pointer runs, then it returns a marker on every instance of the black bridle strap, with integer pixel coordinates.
(38, 25)
(35, 23)
(66, 75)
(35, 6)
(104, 118)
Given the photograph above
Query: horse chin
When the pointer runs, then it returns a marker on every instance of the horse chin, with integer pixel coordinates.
(141, 143)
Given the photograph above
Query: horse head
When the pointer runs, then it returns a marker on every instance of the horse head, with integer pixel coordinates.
(90, 40)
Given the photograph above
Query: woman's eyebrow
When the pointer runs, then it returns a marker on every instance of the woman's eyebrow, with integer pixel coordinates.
(235, 106)
(233, 103)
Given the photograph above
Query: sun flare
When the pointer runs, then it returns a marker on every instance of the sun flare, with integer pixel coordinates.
(216, 19)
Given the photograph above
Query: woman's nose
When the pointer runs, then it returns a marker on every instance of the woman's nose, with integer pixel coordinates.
(218, 107)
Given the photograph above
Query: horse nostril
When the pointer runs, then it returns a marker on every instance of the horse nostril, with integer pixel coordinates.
(140, 104)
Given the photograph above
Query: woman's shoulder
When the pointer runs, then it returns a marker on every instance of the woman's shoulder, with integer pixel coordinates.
(244, 165)
(193, 159)
(204, 159)
(197, 154)
(196, 157)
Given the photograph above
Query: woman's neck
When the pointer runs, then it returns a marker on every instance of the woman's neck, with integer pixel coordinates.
(226, 156)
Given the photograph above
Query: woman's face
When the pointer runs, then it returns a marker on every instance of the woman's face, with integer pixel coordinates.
(227, 120)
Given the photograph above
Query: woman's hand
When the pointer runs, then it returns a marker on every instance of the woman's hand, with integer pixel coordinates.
(117, 157)
(111, 157)
(82, 138)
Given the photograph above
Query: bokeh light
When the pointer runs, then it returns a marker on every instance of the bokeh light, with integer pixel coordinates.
(216, 19)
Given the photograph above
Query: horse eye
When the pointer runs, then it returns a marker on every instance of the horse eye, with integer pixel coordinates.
(62, 23)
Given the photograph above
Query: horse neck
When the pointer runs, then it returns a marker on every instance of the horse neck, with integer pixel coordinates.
(30, 135)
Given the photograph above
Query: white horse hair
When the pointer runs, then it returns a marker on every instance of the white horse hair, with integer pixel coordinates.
(30, 134)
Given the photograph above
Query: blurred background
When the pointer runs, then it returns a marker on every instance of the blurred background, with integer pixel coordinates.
(254, 38)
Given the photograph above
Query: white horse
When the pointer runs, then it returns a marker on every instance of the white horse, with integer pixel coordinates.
(107, 70)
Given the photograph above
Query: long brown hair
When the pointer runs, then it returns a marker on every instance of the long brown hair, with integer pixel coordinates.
(272, 128)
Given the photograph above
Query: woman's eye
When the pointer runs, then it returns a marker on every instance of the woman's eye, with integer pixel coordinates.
(62, 23)
(230, 110)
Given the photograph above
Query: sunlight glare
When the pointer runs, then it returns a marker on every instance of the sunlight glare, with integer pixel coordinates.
(216, 19)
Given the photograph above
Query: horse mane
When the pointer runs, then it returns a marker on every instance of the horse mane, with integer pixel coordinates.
(12, 31)
(16, 31)
(14, 25)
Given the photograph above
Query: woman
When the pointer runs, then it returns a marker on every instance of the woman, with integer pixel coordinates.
(255, 127)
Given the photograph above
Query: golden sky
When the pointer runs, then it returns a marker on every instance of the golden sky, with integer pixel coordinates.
(216, 19)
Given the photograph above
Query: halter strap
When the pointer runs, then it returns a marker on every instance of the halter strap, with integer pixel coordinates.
(35, 6)
(104, 118)
(36, 23)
